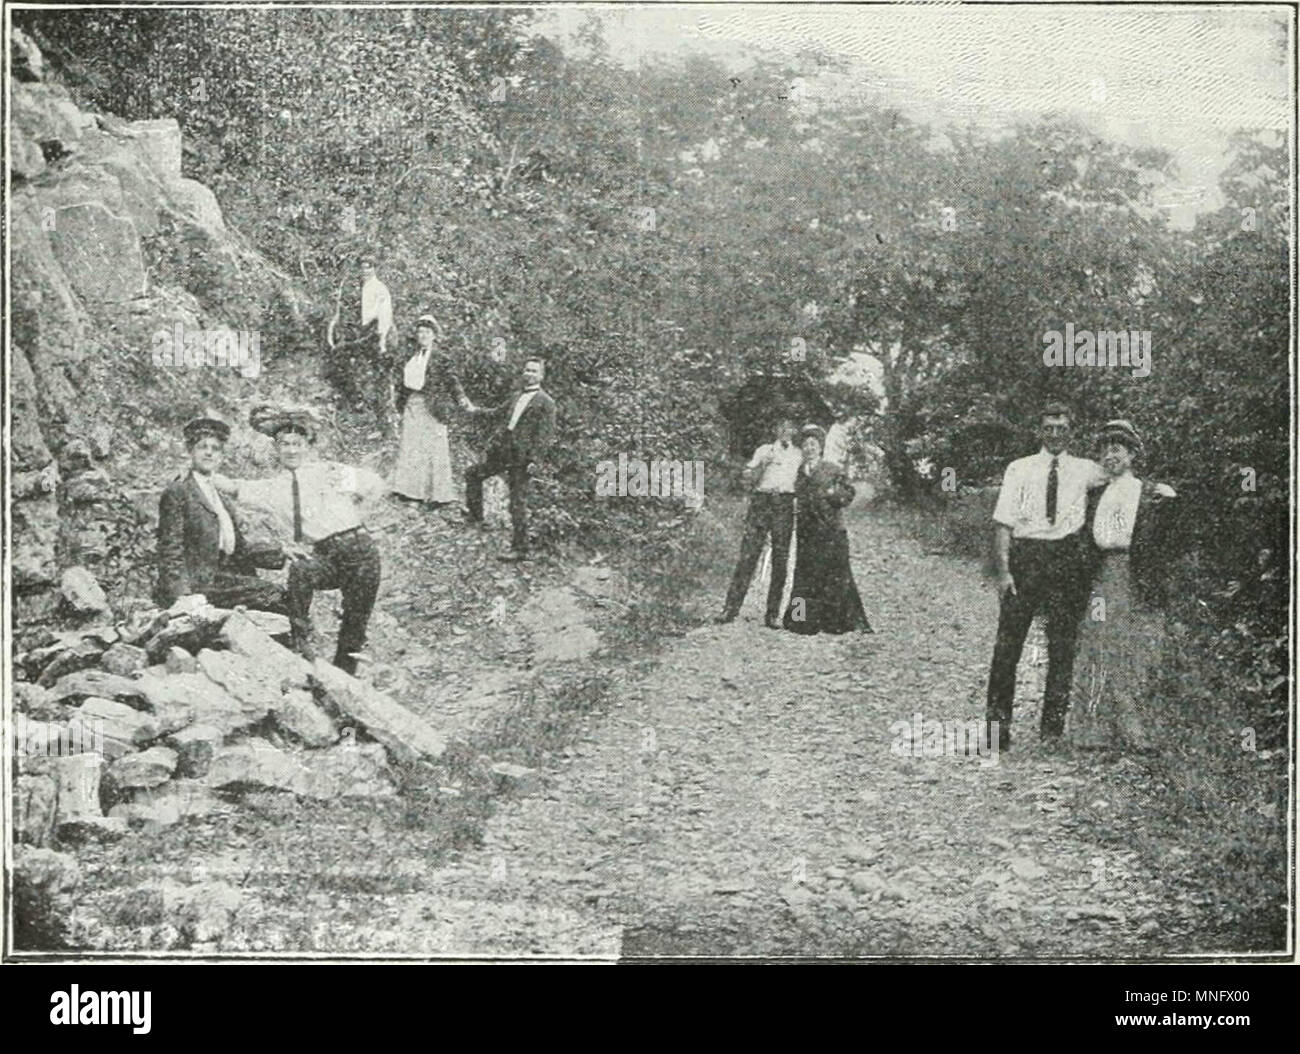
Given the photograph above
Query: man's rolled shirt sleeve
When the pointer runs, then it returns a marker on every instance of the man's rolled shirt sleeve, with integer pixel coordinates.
(1005, 511)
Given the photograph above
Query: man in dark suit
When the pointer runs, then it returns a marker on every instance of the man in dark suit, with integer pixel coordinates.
(201, 550)
(525, 429)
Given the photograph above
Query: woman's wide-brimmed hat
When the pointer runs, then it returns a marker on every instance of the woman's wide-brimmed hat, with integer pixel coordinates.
(272, 420)
(201, 427)
(1118, 430)
(813, 430)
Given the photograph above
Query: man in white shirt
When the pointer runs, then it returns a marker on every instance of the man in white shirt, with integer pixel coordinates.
(1040, 566)
(315, 503)
(527, 426)
(772, 471)
(376, 302)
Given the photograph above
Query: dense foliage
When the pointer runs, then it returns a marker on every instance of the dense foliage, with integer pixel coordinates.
(664, 233)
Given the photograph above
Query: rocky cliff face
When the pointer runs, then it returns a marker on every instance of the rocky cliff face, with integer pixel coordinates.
(111, 247)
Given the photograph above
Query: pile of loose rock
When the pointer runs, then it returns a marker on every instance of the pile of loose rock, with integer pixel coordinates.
(173, 714)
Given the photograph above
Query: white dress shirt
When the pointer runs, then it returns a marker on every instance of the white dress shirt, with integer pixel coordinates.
(1022, 501)
(416, 368)
(377, 303)
(779, 473)
(1112, 527)
(226, 526)
(521, 404)
(328, 492)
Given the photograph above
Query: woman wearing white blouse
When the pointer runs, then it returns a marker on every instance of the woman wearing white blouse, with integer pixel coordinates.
(423, 395)
(1119, 637)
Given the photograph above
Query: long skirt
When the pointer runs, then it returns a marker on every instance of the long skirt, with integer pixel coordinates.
(423, 469)
(824, 598)
(1118, 643)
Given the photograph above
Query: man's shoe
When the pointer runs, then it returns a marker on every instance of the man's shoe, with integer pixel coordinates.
(512, 557)
(725, 617)
(772, 623)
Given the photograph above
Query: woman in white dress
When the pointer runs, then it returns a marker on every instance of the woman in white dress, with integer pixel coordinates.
(1121, 632)
(424, 394)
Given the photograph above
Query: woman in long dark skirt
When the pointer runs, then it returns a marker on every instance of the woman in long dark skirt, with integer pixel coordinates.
(824, 597)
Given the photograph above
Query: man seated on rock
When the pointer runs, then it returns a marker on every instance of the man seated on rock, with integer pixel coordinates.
(201, 551)
(315, 505)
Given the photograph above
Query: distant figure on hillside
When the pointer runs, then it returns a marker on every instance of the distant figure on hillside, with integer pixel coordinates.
(315, 503)
(1040, 510)
(1119, 634)
(424, 393)
(523, 436)
(824, 598)
(201, 550)
(772, 472)
(357, 336)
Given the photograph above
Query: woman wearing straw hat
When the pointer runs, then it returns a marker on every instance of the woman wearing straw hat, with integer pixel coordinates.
(424, 394)
(824, 597)
(1119, 636)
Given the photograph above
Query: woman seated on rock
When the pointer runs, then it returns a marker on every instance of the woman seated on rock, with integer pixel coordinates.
(201, 551)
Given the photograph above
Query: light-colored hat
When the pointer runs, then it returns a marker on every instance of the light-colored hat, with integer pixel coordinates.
(429, 321)
(1122, 431)
(272, 420)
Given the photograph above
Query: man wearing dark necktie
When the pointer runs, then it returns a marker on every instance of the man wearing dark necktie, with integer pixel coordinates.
(526, 427)
(1039, 513)
(317, 501)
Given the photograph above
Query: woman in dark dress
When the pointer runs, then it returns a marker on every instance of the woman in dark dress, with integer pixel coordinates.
(824, 598)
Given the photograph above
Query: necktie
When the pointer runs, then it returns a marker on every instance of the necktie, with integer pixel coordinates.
(297, 508)
(1051, 493)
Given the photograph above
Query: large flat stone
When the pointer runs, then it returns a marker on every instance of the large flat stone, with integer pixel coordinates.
(99, 252)
(98, 683)
(195, 747)
(256, 764)
(180, 699)
(408, 737)
(124, 729)
(242, 636)
(148, 768)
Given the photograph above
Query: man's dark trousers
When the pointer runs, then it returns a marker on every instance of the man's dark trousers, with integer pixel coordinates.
(769, 513)
(1049, 577)
(502, 460)
(349, 562)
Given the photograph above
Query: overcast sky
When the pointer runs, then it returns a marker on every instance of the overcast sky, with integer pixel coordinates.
(1182, 78)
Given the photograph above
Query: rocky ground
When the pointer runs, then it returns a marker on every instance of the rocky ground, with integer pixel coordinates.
(738, 796)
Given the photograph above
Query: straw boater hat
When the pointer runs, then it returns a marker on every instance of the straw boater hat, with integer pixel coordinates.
(272, 420)
(202, 427)
(428, 322)
(1121, 431)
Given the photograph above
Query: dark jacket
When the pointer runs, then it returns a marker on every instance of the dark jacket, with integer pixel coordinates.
(532, 436)
(440, 387)
(189, 544)
(1149, 555)
(821, 496)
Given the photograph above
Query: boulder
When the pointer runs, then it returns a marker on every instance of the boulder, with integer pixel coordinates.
(255, 686)
(405, 735)
(36, 799)
(75, 781)
(123, 728)
(178, 660)
(242, 636)
(297, 715)
(169, 803)
(149, 768)
(349, 770)
(198, 202)
(182, 699)
(139, 625)
(195, 747)
(99, 683)
(99, 252)
(256, 765)
(517, 778)
(34, 563)
(191, 629)
(34, 700)
(82, 593)
(124, 659)
(81, 656)
(160, 143)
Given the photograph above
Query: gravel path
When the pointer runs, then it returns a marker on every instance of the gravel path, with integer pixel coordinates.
(743, 799)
